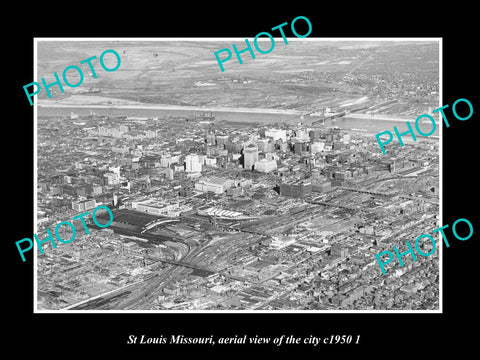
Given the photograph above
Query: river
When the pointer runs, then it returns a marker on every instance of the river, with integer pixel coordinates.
(370, 125)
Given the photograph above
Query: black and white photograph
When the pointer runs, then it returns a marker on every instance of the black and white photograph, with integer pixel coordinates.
(260, 188)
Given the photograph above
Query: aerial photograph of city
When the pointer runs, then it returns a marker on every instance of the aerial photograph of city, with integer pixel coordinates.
(259, 188)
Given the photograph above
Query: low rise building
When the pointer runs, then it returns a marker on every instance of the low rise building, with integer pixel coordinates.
(214, 184)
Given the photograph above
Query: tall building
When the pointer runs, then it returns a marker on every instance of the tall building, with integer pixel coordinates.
(302, 134)
(297, 189)
(265, 165)
(233, 148)
(193, 163)
(222, 139)
(211, 138)
(262, 145)
(115, 170)
(270, 147)
(297, 148)
(314, 135)
(250, 156)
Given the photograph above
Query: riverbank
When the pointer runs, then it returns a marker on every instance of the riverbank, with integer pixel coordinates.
(169, 107)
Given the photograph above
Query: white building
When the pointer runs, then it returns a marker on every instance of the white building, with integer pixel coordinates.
(250, 156)
(210, 161)
(262, 145)
(123, 128)
(167, 160)
(82, 205)
(265, 165)
(276, 134)
(193, 163)
(150, 134)
(112, 178)
(302, 134)
(155, 207)
(215, 184)
(271, 156)
(115, 170)
(317, 147)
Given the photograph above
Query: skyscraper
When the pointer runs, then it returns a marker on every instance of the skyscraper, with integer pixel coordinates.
(211, 138)
(262, 145)
(250, 154)
(221, 139)
(297, 148)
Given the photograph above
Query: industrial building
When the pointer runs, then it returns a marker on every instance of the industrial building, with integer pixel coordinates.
(155, 207)
(82, 205)
(296, 188)
(321, 187)
(215, 184)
